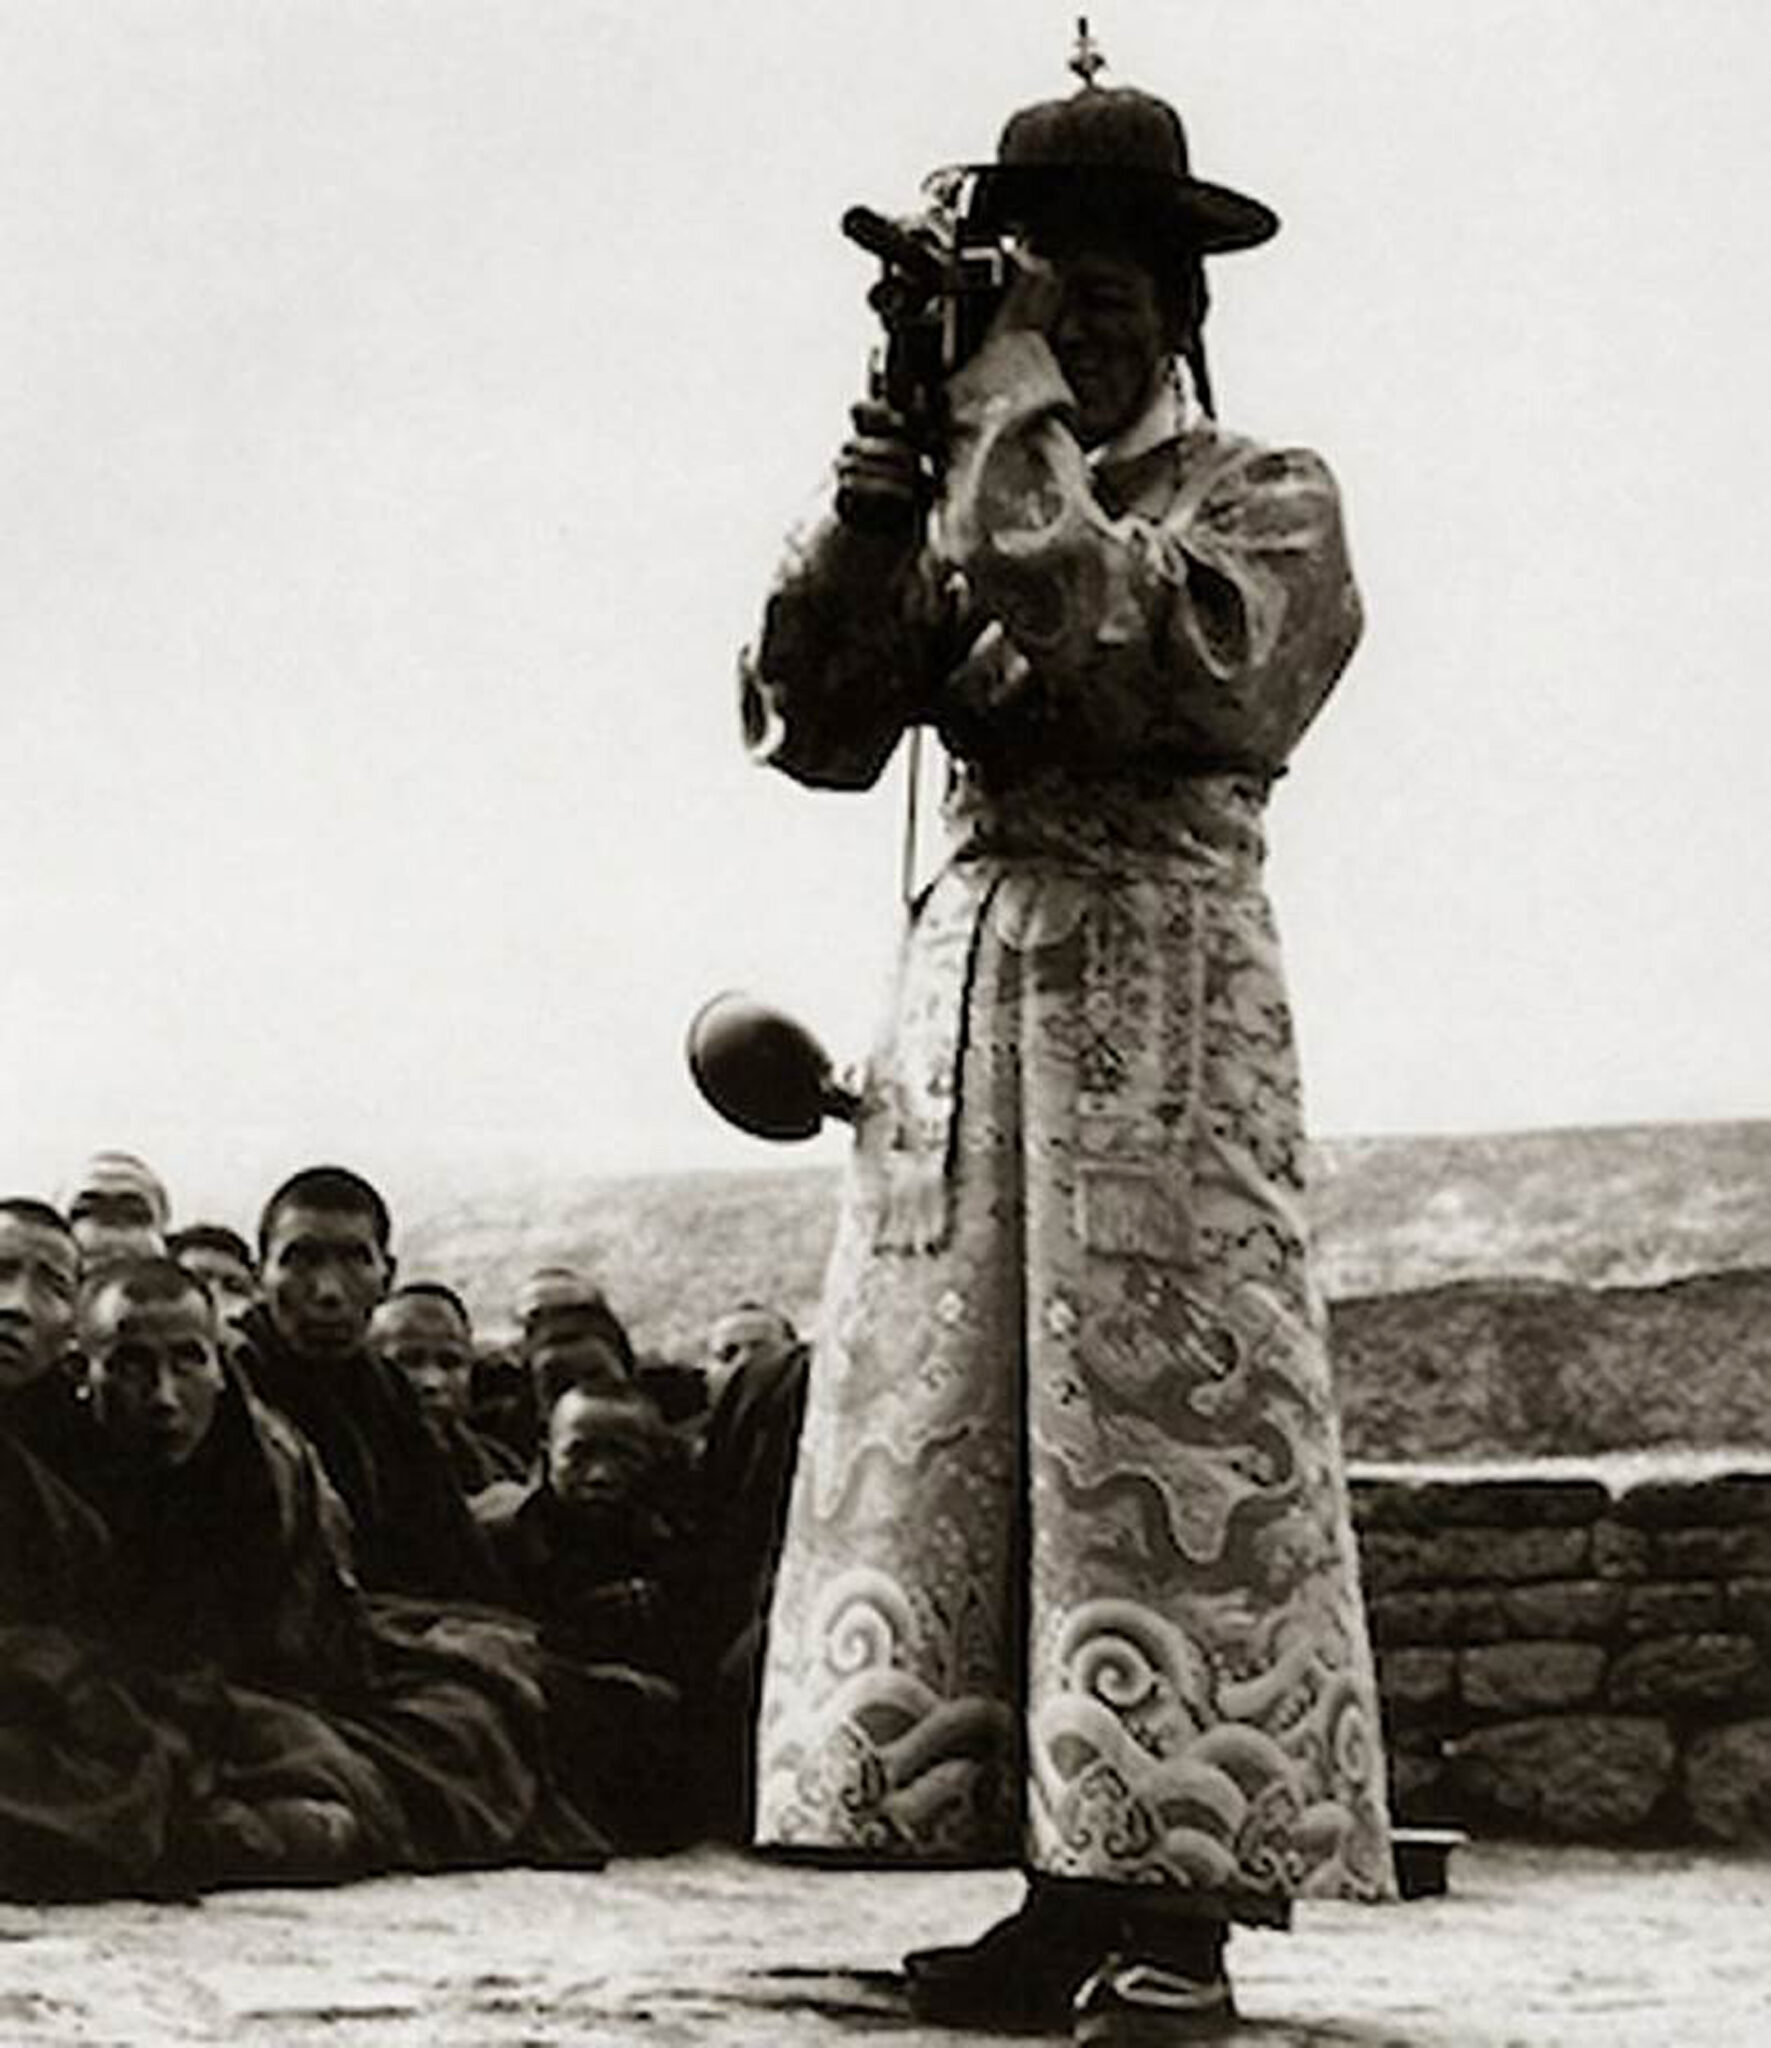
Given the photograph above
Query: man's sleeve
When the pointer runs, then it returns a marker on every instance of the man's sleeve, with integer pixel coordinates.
(1229, 616)
(842, 661)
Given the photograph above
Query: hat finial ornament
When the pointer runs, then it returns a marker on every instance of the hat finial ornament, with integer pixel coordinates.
(1086, 59)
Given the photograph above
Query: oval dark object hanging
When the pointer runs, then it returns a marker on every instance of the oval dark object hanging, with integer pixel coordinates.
(762, 1069)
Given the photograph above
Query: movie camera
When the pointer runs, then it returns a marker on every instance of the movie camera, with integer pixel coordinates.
(942, 278)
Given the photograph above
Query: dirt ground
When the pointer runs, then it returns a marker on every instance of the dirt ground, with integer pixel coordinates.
(1555, 1948)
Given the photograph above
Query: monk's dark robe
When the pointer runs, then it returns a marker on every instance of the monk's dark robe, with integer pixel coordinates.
(744, 1479)
(49, 1419)
(233, 1605)
(55, 1553)
(477, 1460)
(426, 1721)
(606, 1593)
(501, 1405)
(413, 1533)
(458, 1719)
(605, 1587)
(239, 1558)
(91, 1781)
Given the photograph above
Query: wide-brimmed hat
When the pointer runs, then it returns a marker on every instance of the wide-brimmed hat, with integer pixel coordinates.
(1120, 151)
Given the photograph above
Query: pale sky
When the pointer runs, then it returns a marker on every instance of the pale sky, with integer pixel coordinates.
(403, 406)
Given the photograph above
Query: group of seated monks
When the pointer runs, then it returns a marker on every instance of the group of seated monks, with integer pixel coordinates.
(296, 1585)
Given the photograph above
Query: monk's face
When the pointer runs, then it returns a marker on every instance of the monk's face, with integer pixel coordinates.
(1110, 340)
(425, 1339)
(602, 1454)
(115, 1225)
(232, 1284)
(324, 1271)
(744, 1337)
(154, 1370)
(39, 1277)
(569, 1347)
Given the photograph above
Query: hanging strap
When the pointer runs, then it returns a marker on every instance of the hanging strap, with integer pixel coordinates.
(912, 817)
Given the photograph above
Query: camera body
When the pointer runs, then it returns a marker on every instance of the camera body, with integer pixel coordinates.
(942, 279)
(979, 277)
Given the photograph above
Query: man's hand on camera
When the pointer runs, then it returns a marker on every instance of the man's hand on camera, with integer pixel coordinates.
(879, 471)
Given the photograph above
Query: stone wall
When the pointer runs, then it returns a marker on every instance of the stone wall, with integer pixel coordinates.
(1503, 1368)
(1581, 1650)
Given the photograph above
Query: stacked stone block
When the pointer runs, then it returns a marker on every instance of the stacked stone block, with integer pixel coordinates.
(1563, 1656)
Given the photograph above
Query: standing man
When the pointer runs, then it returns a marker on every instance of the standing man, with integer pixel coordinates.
(1069, 1574)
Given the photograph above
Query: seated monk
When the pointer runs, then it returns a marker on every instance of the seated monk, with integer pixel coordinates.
(230, 1579)
(89, 1782)
(233, 1547)
(572, 1338)
(757, 1365)
(92, 1782)
(423, 1331)
(39, 1366)
(347, 1733)
(326, 1263)
(499, 1405)
(118, 1207)
(589, 1550)
(222, 1259)
(568, 1336)
(758, 1372)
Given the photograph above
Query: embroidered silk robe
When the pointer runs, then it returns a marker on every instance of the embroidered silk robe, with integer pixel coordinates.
(1069, 1574)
